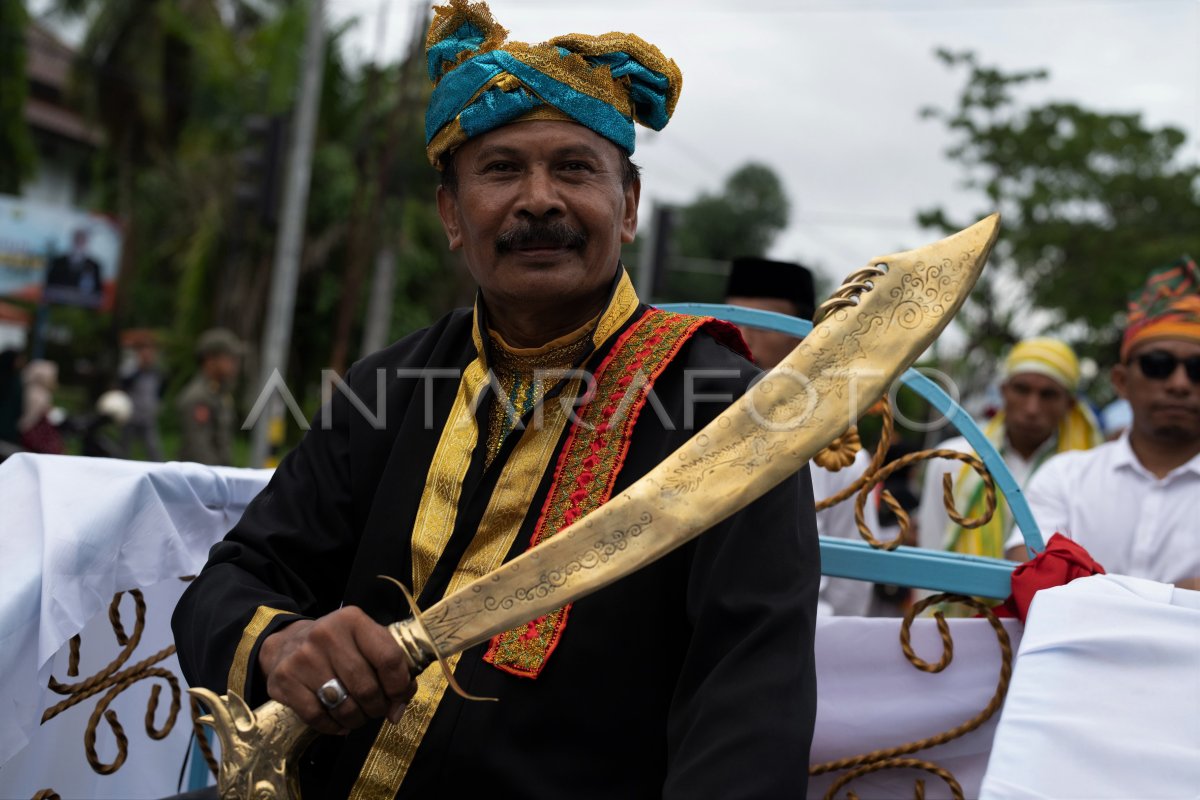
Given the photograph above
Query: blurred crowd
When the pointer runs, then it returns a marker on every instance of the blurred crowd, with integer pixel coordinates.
(125, 419)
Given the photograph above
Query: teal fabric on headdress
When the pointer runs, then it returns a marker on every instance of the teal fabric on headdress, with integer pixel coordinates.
(496, 107)
(482, 82)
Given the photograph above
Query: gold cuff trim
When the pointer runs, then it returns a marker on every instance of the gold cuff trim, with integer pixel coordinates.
(239, 670)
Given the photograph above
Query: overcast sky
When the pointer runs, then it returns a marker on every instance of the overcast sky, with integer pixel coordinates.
(827, 92)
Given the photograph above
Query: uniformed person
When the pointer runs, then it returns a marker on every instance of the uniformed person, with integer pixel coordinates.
(206, 404)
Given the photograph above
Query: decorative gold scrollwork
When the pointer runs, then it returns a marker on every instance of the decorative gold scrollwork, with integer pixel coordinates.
(115, 682)
(877, 472)
(894, 757)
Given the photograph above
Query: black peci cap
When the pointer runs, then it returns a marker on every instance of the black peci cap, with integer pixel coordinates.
(761, 277)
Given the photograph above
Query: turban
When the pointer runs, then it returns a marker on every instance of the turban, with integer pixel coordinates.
(482, 81)
(1049, 357)
(1167, 307)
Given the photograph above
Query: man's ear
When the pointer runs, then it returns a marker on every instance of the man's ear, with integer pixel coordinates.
(629, 220)
(1120, 380)
(447, 203)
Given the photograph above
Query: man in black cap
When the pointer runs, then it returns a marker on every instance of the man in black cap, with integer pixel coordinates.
(787, 288)
(764, 285)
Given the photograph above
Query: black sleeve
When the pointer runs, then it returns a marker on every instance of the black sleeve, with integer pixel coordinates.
(286, 558)
(744, 706)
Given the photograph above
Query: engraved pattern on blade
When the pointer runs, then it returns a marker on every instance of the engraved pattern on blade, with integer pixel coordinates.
(607, 545)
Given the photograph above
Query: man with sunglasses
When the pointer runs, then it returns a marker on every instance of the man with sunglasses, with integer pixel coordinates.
(1134, 502)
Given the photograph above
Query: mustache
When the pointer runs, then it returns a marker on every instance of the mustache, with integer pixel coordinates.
(540, 233)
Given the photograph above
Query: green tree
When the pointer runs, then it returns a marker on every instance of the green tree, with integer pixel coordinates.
(1091, 201)
(742, 220)
(16, 145)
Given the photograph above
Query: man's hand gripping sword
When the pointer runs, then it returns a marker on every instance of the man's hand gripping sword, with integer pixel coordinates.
(872, 329)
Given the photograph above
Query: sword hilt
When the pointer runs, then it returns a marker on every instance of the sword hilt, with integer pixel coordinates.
(414, 639)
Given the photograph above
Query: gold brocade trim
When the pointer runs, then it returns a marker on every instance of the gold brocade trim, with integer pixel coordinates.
(443, 485)
(642, 51)
(449, 18)
(239, 670)
(396, 745)
(624, 302)
(573, 70)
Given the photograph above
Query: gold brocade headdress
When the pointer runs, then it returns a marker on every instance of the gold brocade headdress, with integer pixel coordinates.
(482, 81)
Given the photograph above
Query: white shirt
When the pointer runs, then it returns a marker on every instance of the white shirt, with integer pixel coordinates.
(843, 596)
(1132, 522)
(933, 524)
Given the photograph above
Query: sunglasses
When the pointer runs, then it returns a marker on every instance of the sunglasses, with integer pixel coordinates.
(1159, 365)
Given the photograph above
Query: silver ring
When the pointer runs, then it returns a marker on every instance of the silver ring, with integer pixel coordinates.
(332, 694)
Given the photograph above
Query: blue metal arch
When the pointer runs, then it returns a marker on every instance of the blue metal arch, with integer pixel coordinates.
(908, 566)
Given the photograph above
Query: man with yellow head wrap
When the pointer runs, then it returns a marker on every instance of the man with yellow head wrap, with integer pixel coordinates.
(1134, 502)
(469, 442)
(1040, 417)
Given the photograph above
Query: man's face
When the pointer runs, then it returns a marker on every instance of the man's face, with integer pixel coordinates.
(222, 367)
(1163, 408)
(540, 213)
(1034, 405)
(767, 347)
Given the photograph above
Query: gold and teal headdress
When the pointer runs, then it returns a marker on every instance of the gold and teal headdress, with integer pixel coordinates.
(482, 81)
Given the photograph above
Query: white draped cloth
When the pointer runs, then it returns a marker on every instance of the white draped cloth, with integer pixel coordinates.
(869, 697)
(1105, 700)
(78, 530)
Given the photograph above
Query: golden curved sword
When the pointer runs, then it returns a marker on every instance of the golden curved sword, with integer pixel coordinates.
(881, 319)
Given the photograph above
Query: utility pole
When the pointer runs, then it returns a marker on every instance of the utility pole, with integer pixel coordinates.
(277, 333)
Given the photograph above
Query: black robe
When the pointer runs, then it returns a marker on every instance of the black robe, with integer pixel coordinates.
(691, 678)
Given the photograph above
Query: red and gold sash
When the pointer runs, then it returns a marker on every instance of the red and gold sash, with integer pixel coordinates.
(590, 461)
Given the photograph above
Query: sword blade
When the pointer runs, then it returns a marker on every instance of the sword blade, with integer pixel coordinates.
(838, 371)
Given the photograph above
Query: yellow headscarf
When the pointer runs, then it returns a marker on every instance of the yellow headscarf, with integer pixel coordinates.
(1078, 430)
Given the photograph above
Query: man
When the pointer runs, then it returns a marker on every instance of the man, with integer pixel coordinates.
(1040, 417)
(74, 278)
(690, 678)
(143, 382)
(1133, 503)
(205, 406)
(785, 287)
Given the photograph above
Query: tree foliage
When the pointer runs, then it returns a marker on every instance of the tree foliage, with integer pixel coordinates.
(742, 220)
(1091, 200)
(178, 89)
(16, 144)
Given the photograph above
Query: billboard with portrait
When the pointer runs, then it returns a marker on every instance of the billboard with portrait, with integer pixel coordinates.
(61, 255)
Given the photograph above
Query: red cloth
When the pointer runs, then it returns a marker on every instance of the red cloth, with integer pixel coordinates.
(1061, 562)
